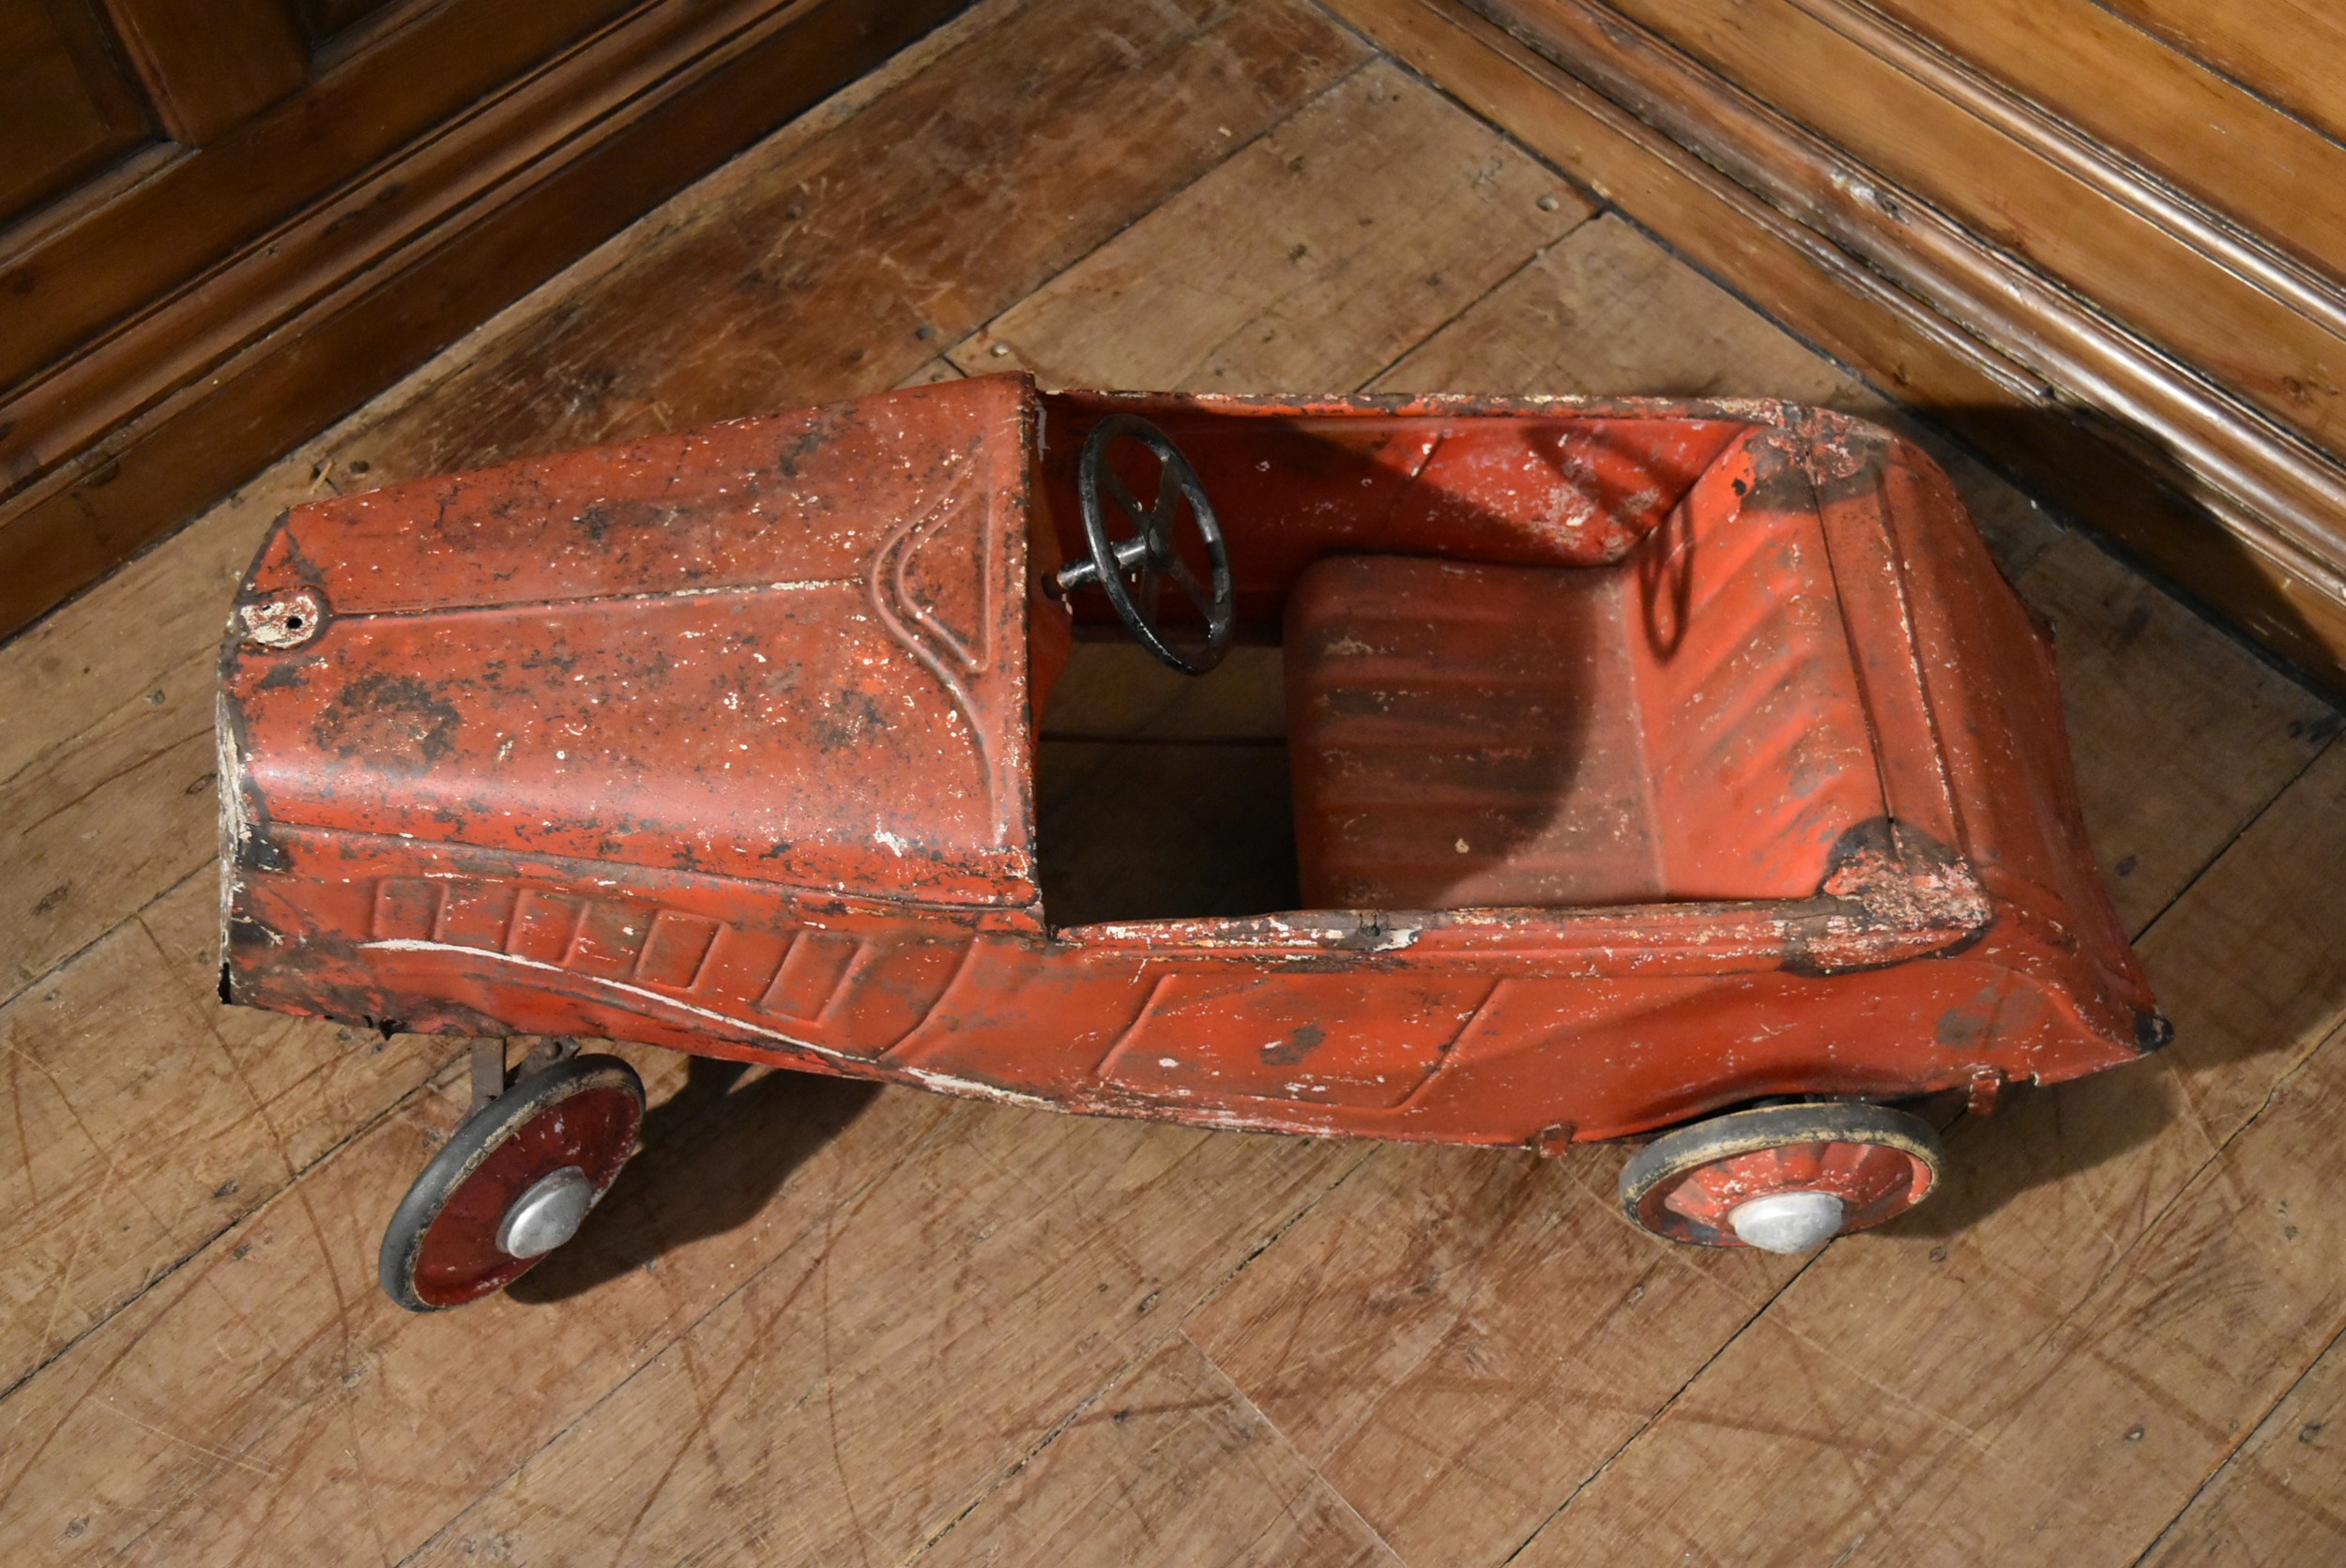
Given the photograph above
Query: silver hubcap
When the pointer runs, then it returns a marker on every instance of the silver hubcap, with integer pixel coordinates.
(550, 1212)
(1787, 1222)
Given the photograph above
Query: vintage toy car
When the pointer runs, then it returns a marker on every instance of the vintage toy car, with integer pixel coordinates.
(1653, 763)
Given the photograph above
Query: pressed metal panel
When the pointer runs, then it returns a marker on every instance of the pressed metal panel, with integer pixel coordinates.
(1647, 758)
(1459, 738)
(786, 649)
(1762, 748)
(1323, 1039)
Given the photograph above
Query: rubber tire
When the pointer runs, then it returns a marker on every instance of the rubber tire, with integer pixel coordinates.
(480, 1135)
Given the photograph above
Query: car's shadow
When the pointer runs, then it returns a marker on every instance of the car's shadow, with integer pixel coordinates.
(713, 1154)
(2039, 1135)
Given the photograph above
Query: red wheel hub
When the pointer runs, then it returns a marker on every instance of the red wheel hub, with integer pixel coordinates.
(593, 1130)
(1873, 1182)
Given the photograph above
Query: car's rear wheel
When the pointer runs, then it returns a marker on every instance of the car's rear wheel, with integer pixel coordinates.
(513, 1182)
(1781, 1177)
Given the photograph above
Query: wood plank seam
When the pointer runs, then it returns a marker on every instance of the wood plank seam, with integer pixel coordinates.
(2188, 1188)
(2248, 1433)
(2004, 374)
(2271, 802)
(61, 807)
(1370, 57)
(2234, 149)
(1597, 209)
(1662, 1409)
(439, 1080)
(2332, 1037)
(1140, 1355)
(2134, 254)
(1548, 78)
(71, 958)
(1211, 29)
(2144, 20)
(1336, 1438)
(676, 1333)
(1603, 205)
(164, 1276)
(2156, 574)
(2281, 591)
(2288, 484)
(2192, 1187)
(1246, 1401)
(1074, 1413)
(2280, 276)
(613, 255)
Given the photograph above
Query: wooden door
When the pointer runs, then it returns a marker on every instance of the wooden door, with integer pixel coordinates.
(222, 223)
(67, 104)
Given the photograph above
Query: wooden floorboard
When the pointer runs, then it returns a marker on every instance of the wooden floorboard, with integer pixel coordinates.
(843, 264)
(822, 1323)
(149, 1119)
(855, 1418)
(1171, 1464)
(1911, 1396)
(2281, 1497)
(1308, 261)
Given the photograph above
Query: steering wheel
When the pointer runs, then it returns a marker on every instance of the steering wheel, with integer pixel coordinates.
(1151, 555)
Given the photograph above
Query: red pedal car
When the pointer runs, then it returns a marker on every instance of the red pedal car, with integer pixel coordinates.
(1654, 765)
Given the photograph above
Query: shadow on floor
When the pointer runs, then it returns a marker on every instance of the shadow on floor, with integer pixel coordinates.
(713, 1155)
(2039, 1136)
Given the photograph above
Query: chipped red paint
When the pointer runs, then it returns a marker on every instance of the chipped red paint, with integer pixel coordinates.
(723, 741)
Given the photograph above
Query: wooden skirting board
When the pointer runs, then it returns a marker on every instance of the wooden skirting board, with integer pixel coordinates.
(133, 431)
(2195, 458)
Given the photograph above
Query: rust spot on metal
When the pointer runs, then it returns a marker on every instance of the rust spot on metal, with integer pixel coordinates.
(401, 723)
(1300, 1043)
(1893, 893)
(284, 620)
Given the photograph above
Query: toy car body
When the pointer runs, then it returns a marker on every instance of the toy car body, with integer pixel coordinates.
(1648, 758)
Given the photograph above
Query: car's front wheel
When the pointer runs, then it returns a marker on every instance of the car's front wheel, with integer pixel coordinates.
(513, 1182)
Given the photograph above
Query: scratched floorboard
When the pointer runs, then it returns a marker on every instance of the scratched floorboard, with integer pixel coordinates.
(822, 1324)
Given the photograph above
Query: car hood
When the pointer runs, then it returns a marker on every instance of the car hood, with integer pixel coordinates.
(789, 649)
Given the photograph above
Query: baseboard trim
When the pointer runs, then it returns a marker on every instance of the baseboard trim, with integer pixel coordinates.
(2243, 514)
(2305, 289)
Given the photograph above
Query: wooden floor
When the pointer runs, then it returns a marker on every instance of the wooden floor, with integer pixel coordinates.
(822, 1324)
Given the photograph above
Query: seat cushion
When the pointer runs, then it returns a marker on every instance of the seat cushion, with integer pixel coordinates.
(1465, 736)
